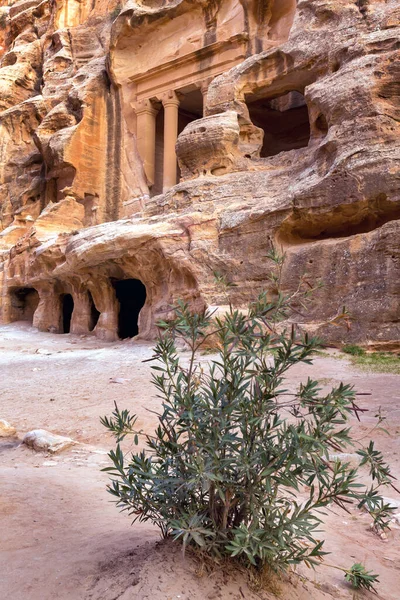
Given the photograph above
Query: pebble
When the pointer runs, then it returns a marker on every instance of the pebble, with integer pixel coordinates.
(6, 430)
(118, 380)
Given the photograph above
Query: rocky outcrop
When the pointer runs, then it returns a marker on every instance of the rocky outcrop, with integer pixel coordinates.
(284, 117)
(45, 441)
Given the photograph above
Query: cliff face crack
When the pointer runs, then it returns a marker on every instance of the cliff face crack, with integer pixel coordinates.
(362, 6)
(114, 136)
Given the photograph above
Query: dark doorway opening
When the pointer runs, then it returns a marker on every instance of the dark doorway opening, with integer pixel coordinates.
(24, 302)
(67, 310)
(94, 313)
(131, 295)
(284, 120)
(190, 109)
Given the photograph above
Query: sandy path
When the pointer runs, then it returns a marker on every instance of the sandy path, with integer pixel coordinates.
(61, 537)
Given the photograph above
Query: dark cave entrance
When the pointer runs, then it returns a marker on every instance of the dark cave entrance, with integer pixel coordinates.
(131, 296)
(284, 120)
(67, 310)
(24, 302)
(94, 313)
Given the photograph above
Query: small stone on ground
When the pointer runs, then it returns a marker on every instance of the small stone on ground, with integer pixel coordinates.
(45, 441)
(6, 430)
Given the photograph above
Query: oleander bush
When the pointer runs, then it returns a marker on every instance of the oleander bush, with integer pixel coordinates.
(241, 463)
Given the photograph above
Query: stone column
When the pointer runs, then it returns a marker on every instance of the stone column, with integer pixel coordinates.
(6, 309)
(171, 106)
(106, 302)
(48, 315)
(204, 91)
(146, 114)
(81, 316)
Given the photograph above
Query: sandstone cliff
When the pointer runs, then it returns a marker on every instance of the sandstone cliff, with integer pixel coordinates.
(283, 117)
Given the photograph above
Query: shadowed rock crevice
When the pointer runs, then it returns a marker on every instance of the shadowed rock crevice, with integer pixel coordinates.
(94, 313)
(59, 179)
(74, 106)
(114, 136)
(341, 222)
(362, 6)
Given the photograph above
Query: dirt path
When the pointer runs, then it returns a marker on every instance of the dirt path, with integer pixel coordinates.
(61, 537)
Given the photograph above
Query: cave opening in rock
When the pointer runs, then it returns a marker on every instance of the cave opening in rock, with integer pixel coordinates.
(24, 302)
(94, 313)
(67, 310)
(131, 296)
(284, 120)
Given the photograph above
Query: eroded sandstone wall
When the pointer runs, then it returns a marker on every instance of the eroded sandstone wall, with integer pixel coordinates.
(298, 147)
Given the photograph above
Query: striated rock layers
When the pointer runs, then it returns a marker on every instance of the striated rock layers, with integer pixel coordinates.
(144, 147)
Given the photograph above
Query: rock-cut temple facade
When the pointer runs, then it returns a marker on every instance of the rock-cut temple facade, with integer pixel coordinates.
(145, 146)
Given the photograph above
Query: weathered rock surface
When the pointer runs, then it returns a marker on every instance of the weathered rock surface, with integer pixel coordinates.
(6, 430)
(288, 119)
(44, 441)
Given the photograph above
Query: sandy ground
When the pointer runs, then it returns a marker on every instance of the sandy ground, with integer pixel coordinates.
(61, 536)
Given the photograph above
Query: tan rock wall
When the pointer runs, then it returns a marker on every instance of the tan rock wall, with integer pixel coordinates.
(77, 208)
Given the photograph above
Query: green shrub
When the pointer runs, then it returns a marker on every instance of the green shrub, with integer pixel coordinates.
(353, 350)
(240, 464)
(378, 362)
(115, 12)
(360, 578)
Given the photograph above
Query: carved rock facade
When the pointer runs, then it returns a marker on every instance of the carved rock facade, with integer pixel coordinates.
(144, 148)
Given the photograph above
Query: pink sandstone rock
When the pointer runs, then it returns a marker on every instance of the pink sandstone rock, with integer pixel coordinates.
(168, 140)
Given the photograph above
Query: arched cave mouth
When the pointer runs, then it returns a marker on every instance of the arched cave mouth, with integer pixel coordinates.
(284, 120)
(131, 296)
(24, 302)
(94, 313)
(67, 310)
